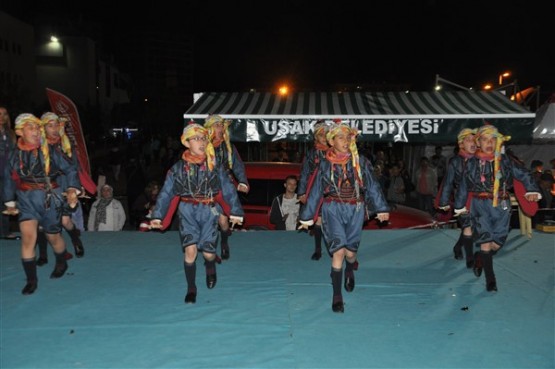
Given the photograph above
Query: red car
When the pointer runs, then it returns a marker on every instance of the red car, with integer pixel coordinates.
(266, 182)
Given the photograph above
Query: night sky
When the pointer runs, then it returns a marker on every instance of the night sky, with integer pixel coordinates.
(314, 45)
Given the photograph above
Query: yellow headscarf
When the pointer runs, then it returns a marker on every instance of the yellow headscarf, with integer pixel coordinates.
(345, 128)
(64, 139)
(488, 129)
(194, 129)
(214, 119)
(321, 126)
(25, 118)
(464, 133)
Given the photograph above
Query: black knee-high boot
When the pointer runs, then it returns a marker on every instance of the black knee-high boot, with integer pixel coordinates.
(76, 241)
(468, 244)
(224, 245)
(30, 269)
(349, 283)
(337, 301)
(211, 277)
(61, 265)
(42, 244)
(487, 261)
(457, 249)
(190, 277)
(317, 231)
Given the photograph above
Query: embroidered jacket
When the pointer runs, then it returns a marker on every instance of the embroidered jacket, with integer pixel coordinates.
(186, 179)
(478, 177)
(336, 186)
(27, 167)
(238, 167)
(310, 163)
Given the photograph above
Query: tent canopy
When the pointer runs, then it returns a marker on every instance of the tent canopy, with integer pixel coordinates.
(419, 117)
(544, 127)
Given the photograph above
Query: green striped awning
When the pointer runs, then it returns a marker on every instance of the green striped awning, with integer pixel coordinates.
(447, 111)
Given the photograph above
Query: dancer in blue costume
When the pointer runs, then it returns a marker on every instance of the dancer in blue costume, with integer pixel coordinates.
(227, 157)
(488, 177)
(204, 190)
(308, 170)
(53, 129)
(455, 170)
(345, 188)
(31, 178)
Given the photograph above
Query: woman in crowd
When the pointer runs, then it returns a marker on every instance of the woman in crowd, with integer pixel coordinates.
(107, 213)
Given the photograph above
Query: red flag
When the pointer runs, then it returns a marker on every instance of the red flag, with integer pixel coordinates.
(65, 108)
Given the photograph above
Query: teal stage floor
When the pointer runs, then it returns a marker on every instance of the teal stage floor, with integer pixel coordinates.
(414, 306)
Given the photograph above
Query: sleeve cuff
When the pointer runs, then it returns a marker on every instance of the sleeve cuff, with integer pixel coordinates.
(534, 193)
(234, 217)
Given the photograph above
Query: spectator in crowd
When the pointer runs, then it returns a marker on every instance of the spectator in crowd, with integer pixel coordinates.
(380, 158)
(546, 202)
(439, 163)
(379, 174)
(284, 212)
(144, 204)
(107, 213)
(396, 186)
(404, 173)
(536, 168)
(281, 156)
(7, 145)
(426, 185)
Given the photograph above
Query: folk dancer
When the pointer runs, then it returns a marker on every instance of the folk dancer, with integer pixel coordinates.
(204, 191)
(31, 178)
(228, 157)
(455, 169)
(346, 188)
(487, 179)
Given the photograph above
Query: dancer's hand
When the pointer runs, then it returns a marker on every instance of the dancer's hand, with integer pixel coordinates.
(458, 212)
(304, 224)
(155, 224)
(243, 188)
(11, 210)
(235, 220)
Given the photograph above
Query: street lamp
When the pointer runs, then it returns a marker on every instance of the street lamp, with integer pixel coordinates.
(503, 75)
